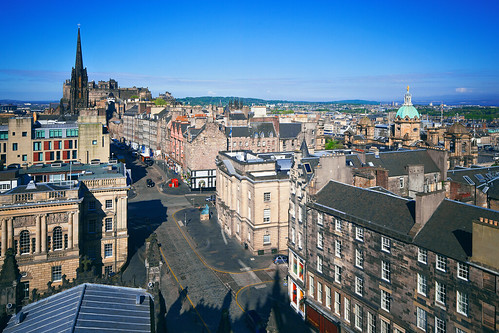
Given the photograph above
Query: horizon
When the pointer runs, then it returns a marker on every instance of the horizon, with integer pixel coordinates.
(323, 52)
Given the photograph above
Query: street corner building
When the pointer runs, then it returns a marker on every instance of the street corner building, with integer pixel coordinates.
(65, 213)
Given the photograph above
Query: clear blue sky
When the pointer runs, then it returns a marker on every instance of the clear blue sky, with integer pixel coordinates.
(307, 50)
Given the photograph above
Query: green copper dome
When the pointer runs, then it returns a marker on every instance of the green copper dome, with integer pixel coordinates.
(409, 111)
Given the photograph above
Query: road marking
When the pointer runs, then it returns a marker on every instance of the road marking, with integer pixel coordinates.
(249, 285)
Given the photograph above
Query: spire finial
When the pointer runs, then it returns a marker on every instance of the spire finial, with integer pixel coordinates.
(407, 88)
(78, 25)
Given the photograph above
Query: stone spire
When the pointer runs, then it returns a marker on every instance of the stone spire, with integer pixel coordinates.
(79, 82)
(79, 57)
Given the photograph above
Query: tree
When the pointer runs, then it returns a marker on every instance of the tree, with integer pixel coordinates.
(333, 144)
(159, 101)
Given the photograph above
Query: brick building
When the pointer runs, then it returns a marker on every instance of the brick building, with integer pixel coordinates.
(381, 263)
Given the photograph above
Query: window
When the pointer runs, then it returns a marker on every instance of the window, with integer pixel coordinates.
(371, 323)
(359, 234)
(56, 273)
(359, 285)
(320, 240)
(385, 244)
(385, 270)
(311, 287)
(109, 204)
(337, 302)
(266, 239)
(421, 318)
(249, 213)
(55, 133)
(249, 195)
(24, 289)
(385, 300)
(108, 250)
(57, 238)
(24, 242)
(441, 263)
(422, 256)
(337, 225)
(24, 133)
(37, 146)
(439, 325)
(25, 157)
(40, 134)
(319, 264)
(463, 271)
(422, 284)
(320, 219)
(385, 326)
(14, 146)
(299, 240)
(300, 214)
(91, 205)
(293, 235)
(358, 317)
(108, 270)
(108, 224)
(359, 258)
(440, 290)
(328, 298)
(72, 132)
(347, 309)
(266, 215)
(401, 182)
(458, 330)
(337, 248)
(337, 274)
(266, 196)
(462, 303)
(319, 292)
(94, 142)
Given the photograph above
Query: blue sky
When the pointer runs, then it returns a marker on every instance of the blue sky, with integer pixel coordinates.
(295, 50)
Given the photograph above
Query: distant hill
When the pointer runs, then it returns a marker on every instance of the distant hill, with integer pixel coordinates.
(216, 100)
(17, 102)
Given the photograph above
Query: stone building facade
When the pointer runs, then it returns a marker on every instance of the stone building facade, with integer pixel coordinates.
(252, 199)
(404, 266)
(64, 214)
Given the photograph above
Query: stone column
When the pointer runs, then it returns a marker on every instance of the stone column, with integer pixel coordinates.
(44, 233)
(70, 230)
(38, 233)
(4, 237)
(76, 227)
(10, 233)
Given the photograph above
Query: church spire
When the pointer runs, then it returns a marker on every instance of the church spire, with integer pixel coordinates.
(79, 57)
(407, 97)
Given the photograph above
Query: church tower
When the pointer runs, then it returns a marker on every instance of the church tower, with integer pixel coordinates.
(79, 82)
(407, 123)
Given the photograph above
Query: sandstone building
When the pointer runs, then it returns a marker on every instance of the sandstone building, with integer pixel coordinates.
(65, 213)
(252, 199)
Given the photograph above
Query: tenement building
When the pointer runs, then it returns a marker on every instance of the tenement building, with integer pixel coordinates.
(252, 198)
(65, 213)
(376, 262)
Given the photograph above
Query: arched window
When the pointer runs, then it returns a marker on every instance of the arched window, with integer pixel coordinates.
(57, 238)
(24, 242)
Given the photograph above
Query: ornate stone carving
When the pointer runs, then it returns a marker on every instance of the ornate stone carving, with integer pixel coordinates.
(24, 221)
(57, 218)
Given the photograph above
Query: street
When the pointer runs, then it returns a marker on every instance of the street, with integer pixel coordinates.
(204, 271)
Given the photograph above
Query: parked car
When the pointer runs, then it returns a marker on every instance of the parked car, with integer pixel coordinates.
(280, 259)
(255, 322)
(149, 182)
(212, 197)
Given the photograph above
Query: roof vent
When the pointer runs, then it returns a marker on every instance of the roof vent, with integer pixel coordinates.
(95, 162)
(113, 161)
(56, 165)
(31, 185)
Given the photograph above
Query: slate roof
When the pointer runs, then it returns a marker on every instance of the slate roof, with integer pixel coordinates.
(267, 129)
(388, 214)
(132, 111)
(237, 116)
(41, 187)
(477, 175)
(289, 130)
(87, 308)
(449, 230)
(396, 161)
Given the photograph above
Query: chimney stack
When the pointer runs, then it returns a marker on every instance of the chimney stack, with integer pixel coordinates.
(426, 205)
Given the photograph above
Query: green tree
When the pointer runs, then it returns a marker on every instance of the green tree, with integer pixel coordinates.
(134, 97)
(332, 144)
(159, 101)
